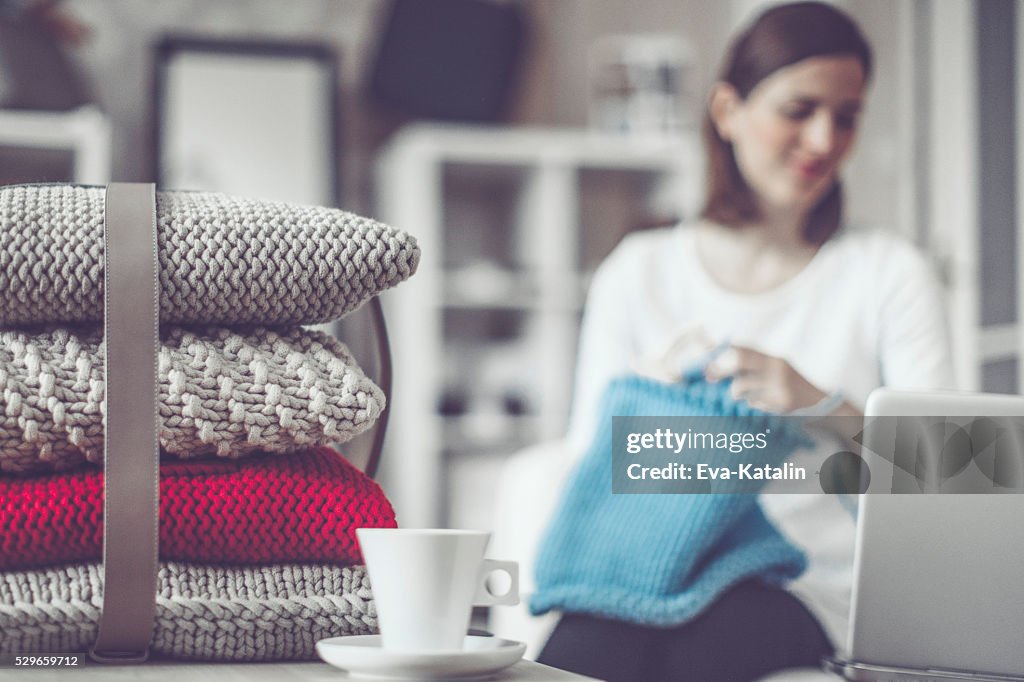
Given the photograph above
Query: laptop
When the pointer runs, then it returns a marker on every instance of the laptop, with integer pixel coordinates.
(938, 587)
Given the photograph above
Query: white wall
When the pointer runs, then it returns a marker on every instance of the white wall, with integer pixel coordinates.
(118, 62)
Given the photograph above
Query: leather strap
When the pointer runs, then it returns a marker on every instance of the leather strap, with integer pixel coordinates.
(131, 450)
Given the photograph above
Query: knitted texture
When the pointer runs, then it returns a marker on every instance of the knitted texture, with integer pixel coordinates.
(302, 508)
(659, 559)
(220, 392)
(249, 613)
(223, 260)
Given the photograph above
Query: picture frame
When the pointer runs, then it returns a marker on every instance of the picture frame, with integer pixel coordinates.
(247, 117)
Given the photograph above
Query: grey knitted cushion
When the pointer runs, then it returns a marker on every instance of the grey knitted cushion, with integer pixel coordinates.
(222, 392)
(223, 260)
(257, 613)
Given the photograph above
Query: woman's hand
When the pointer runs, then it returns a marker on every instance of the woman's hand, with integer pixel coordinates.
(771, 384)
(767, 383)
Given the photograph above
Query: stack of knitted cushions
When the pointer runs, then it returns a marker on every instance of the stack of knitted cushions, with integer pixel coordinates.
(258, 550)
(661, 559)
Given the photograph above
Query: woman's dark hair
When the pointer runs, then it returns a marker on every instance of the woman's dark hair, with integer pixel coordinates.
(781, 36)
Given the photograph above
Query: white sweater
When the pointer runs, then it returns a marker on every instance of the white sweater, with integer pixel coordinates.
(865, 312)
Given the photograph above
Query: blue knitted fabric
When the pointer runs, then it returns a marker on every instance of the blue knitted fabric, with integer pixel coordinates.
(660, 559)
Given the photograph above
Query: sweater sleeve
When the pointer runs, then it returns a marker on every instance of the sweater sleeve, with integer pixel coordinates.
(914, 338)
(606, 344)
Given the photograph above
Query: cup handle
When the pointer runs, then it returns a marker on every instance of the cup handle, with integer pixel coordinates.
(484, 596)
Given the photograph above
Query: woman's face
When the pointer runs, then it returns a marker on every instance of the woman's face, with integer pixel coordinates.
(795, 129)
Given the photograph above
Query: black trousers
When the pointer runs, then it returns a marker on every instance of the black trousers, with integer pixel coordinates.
(750, 631)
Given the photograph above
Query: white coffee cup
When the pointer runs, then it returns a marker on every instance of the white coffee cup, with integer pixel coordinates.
(426, 581)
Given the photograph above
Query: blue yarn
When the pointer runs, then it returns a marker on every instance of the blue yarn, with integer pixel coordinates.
(660, 559)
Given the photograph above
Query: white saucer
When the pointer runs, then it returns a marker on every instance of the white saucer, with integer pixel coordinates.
(362, 655)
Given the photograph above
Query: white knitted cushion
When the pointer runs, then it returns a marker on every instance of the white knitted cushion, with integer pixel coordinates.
(228, 613)
(223, 260)
(224, 392)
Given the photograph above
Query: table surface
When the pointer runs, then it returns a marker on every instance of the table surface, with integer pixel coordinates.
(172, 671)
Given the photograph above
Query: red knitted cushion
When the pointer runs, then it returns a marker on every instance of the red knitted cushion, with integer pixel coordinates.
(301, 508)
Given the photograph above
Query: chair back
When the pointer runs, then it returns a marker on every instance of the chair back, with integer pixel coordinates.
(365, 332)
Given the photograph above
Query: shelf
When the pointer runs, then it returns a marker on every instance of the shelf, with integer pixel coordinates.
(491, 287)
(527, 146)
(488, 433)
(511, 223)
(84, 131)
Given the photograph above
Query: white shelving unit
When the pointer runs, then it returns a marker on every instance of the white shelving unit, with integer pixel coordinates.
(511, 223)
(84, 132)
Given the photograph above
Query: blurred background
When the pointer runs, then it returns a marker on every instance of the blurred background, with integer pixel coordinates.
(518, 140)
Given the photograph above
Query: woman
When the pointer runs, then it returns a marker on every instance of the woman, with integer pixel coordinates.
(815, 316)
